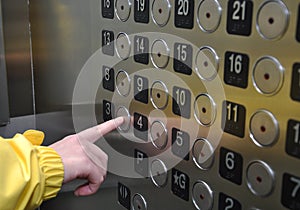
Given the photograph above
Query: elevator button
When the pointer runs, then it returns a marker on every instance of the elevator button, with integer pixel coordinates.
(298, 25)
(141, 11)
(108, 42)
(292, 144)
(260, 178)
(141, 49)
(108, 9)
(203, 154)
(183, 58)
(207, 63)
(161, 10)
(124, 196)
(268, 75)
(181, 105)
(290, 194)
(205, 110)
(180, 184)
(160, 53)
(108, 80)
(158, 173)
(123, 8)
(228, 202)
(139, 202)
(123, 112)
(123, 46)
(108, 110)
(123, 82)
(180, 143)
(159, 95)
(159, 135)
(140, 126)
(295, 87)
(209, 15)
(264, 128)
(141, 89)
(272, 19)
(202, 196)
(184, 14)
(141, 163)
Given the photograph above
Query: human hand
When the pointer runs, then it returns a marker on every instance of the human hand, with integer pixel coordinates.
(82, 159)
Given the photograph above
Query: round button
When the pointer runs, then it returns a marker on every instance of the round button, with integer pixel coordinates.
(272, 19)
(123, 83)
(139, 202)
(160, 53)
(161, 10)
(123, 112)
(123, 46)
(159, 95)
(260, 178)
(205, 110)
(209, 15)
(207, 63)
(203, 154)
(202, 196)
(268, 75)
(159, 135)
(123, 8)
(264, 128)
(158, 173)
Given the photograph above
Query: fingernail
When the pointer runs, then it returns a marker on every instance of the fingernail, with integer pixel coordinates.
(119, 120)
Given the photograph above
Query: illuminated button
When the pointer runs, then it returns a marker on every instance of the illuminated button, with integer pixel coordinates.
(158, 173)
(123, 112)
(203, 154)
(202, 196)
(268, 75)
(139, 202)
(205, 110)
(123, 8)
(161, 10)
(160, 53)
(260, 178)
(123, 83)
(264, 128)
(159, 135)
(123, 46)
(272, 19)
(209, 15)
(159, 95)
(207, 63)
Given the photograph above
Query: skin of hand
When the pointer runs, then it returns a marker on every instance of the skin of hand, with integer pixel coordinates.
(77, 162)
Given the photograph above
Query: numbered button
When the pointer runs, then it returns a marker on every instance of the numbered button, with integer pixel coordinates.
(123, 8)
(141, 11)
(141, 163)
(108, 81)
(139, 202)
(295, 87)
(272, 19)
(207, 63)
(124, 196)
(268, 75)
(236, 69)
(141, 49)
(292, 145)
(108, 109)
(202, 196)
(226, 202)
(239, 17)
(231, 166)
(183, 56)
(180, 184)
(184, 14)
(160, 53)
(161, 10)
(123, 112)
(180, 143)
(123, 82)
(108, 9)
(158, 135)
(264, 128)
(159, 95)
(233, 118)
(158, 173)
(298, 25)
(123, 46)
(290, 196)
(141, 89)
(108, 42)
(260, 178)
(203, 154)
(209, 15)
(205, 110)
(140, 126)
(181, 105)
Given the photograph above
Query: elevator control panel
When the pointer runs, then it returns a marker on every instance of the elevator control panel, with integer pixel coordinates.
(210, 93)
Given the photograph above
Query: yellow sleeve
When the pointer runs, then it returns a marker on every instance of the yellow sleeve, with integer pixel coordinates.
(29, 173)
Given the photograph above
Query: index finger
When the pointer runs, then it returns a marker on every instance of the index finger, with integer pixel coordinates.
(94, 133)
